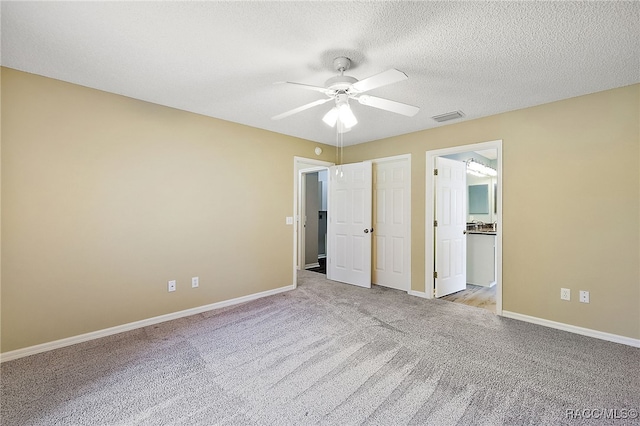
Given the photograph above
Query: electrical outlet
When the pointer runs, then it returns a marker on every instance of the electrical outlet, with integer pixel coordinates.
(584, 296)
(195, 282)
(565, 294)
(171, 285)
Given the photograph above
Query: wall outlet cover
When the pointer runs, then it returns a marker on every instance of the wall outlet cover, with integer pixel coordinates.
(195, 282)
(584, 296)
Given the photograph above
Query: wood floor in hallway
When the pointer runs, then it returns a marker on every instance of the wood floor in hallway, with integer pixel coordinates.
(475, 295)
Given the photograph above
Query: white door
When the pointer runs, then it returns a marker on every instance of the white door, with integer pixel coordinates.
(391, 218)
(450, 226)
(349, 228)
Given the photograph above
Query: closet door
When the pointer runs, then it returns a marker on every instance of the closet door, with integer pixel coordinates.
(392, 223)
(349, 228)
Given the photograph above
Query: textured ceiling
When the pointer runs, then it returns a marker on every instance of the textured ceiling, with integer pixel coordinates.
(221, 59)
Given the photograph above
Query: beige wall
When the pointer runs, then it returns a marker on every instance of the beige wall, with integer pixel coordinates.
(106, 198)
(571, 203)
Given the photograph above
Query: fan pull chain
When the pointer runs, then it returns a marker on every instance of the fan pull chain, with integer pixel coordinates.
(337, 148)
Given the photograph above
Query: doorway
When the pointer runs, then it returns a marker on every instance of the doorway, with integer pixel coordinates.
(483, 219)
(301, 166)
(314, 220)
(390, 188)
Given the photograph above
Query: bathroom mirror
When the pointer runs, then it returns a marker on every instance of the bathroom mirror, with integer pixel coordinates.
(478, 199)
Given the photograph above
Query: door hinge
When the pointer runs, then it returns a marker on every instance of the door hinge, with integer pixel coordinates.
(435, 223)
(435, 274)
(435, 172)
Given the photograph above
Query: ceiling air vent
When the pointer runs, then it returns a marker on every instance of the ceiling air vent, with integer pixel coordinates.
(448, 116)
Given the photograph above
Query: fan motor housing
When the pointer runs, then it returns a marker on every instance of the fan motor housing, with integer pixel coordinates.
(340, 82)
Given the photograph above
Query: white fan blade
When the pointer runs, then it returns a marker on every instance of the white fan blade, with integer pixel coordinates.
(301, 108)
(307, 86)
(387, 105)
(379, 80)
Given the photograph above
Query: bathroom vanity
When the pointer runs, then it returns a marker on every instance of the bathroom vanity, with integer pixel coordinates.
(481, 258)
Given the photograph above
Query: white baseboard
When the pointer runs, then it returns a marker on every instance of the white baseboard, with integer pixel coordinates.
(56, 344)
(418, 294)
(574, 329)
(312, 265)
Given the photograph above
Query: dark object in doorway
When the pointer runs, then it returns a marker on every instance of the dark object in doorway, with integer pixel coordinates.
(322, 269)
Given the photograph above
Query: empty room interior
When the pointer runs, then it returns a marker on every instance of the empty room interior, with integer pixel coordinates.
(320, 213)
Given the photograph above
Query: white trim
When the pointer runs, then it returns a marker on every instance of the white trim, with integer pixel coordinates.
(56, 344)
(312, 265)
(574, 329)
(392, 158)
(299, 164)
(407, 259)
(418, 294)
(429, 216)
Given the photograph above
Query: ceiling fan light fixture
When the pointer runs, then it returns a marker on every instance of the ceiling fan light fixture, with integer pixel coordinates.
(331, 117)
(342, 115)
(346, 116)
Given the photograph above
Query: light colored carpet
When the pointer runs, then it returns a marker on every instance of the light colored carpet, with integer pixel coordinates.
(327, 353)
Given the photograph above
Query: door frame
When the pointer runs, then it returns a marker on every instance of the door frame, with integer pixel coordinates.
(407, 256)
(429, 213)
(301, 165)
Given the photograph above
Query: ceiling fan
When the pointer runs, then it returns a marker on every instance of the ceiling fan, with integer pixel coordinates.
(342, 88)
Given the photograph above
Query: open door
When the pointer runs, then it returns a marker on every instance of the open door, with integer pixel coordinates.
(349, 228)
(450, 227)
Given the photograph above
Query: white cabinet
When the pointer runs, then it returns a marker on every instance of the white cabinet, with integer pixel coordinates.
(481, 259)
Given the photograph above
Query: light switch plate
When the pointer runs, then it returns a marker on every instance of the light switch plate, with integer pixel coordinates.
(565, 294)
(171, 285)
(195, 282)
(289, 220)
